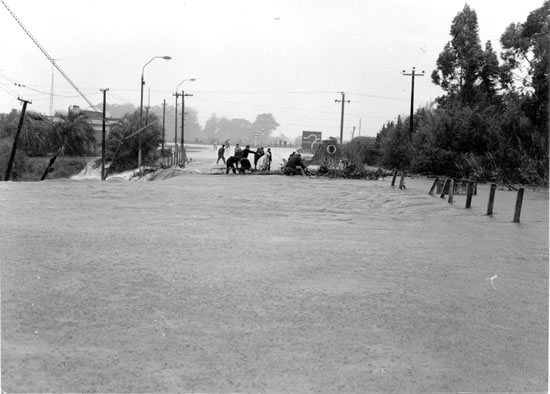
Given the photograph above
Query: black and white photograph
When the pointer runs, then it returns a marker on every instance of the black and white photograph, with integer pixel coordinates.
(274, 196)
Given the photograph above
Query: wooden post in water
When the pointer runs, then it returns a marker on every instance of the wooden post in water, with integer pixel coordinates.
(519, 201)
(431, 192)
(402, 181)
(50, 164)
(393, 179)
(451, 191)
(445, 187)
(469, 194)
(491, 199)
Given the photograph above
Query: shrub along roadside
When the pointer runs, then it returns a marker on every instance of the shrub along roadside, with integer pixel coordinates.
(30, 169)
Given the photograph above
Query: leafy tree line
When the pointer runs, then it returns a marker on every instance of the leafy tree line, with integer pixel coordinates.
(122, 145)
(492, 121)
(69, 132)
(240, 131)
(42, 136)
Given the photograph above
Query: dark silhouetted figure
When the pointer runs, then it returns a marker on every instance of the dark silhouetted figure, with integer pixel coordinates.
(231, 163)
(221, 153)
(244, 164)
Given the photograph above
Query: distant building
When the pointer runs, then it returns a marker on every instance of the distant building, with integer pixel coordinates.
(95, 119)
(12, 115)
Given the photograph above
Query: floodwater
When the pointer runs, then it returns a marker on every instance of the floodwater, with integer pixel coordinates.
(270, 283)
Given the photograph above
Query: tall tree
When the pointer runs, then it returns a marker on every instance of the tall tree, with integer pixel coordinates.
(124, 150)
(527, 47)
(459, 65)
(192, 126)
(211, 126)
(490, 71)
(75, 133)
(264, 124)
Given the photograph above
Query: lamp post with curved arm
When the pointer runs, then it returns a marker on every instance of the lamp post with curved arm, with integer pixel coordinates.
(176, 122)
(141, 103)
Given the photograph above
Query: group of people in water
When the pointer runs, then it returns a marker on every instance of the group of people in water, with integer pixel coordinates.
(239, 161)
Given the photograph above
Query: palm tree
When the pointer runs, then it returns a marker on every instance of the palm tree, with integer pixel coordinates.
(75, 133)
(123, 145)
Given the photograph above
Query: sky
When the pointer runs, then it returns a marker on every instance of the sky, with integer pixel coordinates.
(290, 58)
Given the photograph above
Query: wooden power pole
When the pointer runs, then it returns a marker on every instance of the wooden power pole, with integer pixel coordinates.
(16, 139)
(176, 131)
(163, 123)
(343, 101)
(103, 134)
(412, 75)
(183, 155)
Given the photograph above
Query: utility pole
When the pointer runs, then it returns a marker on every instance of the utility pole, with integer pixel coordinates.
(51, 88)
(103, 134)
(140, 118)
(51, 93)
(412, 74)
(176, 131)
(16, 139)
(146, 114)
(343, 101)
(183, 155)
(163, 122)
(148, 106)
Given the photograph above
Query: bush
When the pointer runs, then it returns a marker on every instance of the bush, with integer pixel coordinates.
(362, 150)
(20, 164)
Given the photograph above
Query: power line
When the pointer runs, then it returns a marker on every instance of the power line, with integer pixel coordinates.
(8, 91)
(376, 96)
(48, 56)
(247, 92)
(20, 85)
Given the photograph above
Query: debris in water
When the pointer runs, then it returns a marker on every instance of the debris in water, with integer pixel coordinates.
(492, 278)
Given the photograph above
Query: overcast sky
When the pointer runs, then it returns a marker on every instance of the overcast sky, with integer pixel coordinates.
(290, 58)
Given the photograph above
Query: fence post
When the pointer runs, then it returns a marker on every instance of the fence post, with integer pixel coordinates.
(431, 192)
(443, 191)
(451, 191)
(469, 194)
(393, 179)
(402, 181)
(519, 201)
(491, 199)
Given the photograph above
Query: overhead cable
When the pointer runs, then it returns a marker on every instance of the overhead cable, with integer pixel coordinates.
(49, 57)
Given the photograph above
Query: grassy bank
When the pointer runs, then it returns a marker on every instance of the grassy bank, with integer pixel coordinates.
(63, 167)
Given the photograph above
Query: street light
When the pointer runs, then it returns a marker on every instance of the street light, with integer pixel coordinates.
(176, 123)
(141, 104)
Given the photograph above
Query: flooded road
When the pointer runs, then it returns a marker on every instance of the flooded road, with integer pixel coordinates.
(217, 283)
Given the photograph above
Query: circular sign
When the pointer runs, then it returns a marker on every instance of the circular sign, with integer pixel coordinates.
(331, 149)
